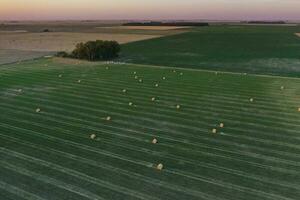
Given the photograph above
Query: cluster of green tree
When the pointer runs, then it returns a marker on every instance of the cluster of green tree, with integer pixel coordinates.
(94, 51)
(154, 23)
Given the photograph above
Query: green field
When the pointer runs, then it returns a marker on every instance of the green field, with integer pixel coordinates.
(50, 155)
(249, 49)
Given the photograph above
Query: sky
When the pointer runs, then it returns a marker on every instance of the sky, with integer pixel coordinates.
(149, 9)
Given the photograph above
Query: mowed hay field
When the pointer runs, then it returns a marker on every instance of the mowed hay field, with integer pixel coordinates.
(253, 49)
(61, 41)
(86, 131)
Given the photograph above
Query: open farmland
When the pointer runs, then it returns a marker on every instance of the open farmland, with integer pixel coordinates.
(252, 49)
(60, 41)
(10, 56)
(86, 131)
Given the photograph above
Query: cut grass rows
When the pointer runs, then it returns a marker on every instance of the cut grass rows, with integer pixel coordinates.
(255, 156)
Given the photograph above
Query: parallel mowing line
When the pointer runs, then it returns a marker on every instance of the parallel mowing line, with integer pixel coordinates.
(189, 175)
(213, 99)
(96, 164)
(176, 158)
(204, 112)
(230, 143)
(193, 144)
(167, 110)
(154, 121)
(198, 88)
(19, 192)
(231, 107)
(252, 155)
(184, 96)
(51, 181)
(145, 164)
(110, 83)
(82, 176)
(195, 151)
(201, 111)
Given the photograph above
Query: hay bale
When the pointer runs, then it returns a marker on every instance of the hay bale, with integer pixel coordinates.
(93, 136)
(154, 141)
(124, 90)
(79, 81)
(214, 130)
(164, 78)
(60, 75)
(136, 77)
(134, 73)
(221, 125)
(140, 80)
(19, 90)
(299, 109)
(178, 106)
(251, 100)
(159, 166)
(153, 99)
(106, 68)
(282, 87)
(156, 85)
(174, 71)
(181, 74)
(130, 103)
(108, 118)
(38, 110)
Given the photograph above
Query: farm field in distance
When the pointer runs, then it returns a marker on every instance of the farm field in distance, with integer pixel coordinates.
(29, 38)
(270, 50)
(184, 113)
(220, 136)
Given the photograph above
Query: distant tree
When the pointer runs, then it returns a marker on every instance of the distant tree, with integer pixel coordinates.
(97, 50)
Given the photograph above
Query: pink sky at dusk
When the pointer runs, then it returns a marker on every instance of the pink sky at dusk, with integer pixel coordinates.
(150, 9)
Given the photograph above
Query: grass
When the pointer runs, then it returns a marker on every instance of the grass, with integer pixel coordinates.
(11, 56)
(49, 155)
(249, 49)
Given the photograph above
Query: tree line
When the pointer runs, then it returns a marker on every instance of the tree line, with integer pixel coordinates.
(94, 51)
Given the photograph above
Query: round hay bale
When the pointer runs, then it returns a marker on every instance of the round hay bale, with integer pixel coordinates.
(221, 125)
(159, 166)
(214, 130)
(60, 75)
(124, 90)
(93, 136)
(130, 103)
(156, 85)
(106, 68)
(164, 78)
(181, 74)
(251, 100)
(282, 87)
(154, 141)
(19, 90)
(174, 71)
(141, 80)
(178, 106)
(79, 81)
(38, 110)
(299, 109)
(134, 72)
(153, 99)
(108, 118)
(136, 77)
